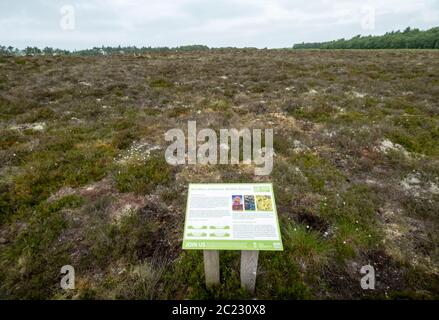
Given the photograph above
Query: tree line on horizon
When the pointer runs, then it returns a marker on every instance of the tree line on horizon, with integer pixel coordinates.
(407, 39)
(96, 51)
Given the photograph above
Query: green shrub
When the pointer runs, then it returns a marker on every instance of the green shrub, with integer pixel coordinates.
(143, 177)
(161, 83)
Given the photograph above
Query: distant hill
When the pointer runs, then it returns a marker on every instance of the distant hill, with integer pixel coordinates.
(407, 39)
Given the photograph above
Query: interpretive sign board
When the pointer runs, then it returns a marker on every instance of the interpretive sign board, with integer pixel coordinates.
(233, 216)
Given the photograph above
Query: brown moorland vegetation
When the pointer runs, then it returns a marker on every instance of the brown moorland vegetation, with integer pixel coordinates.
(83, 178)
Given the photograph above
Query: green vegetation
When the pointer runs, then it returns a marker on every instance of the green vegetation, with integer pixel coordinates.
(142, 178)
(30, 265)
(417, 133)
(407, 39)
(161, 83)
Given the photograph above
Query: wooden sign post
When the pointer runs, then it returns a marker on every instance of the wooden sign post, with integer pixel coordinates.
(211, 267)
(249, 268)
(231, 217)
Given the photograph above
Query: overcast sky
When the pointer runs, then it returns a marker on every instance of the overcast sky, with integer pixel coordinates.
(78, 24)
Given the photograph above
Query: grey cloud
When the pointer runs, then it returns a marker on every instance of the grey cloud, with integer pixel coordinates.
(260, 23)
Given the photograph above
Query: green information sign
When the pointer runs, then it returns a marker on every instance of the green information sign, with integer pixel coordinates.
(235, 216)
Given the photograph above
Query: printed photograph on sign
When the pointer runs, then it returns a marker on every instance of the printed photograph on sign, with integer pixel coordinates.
(237, 203)
(249, 203)
(264, 203)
